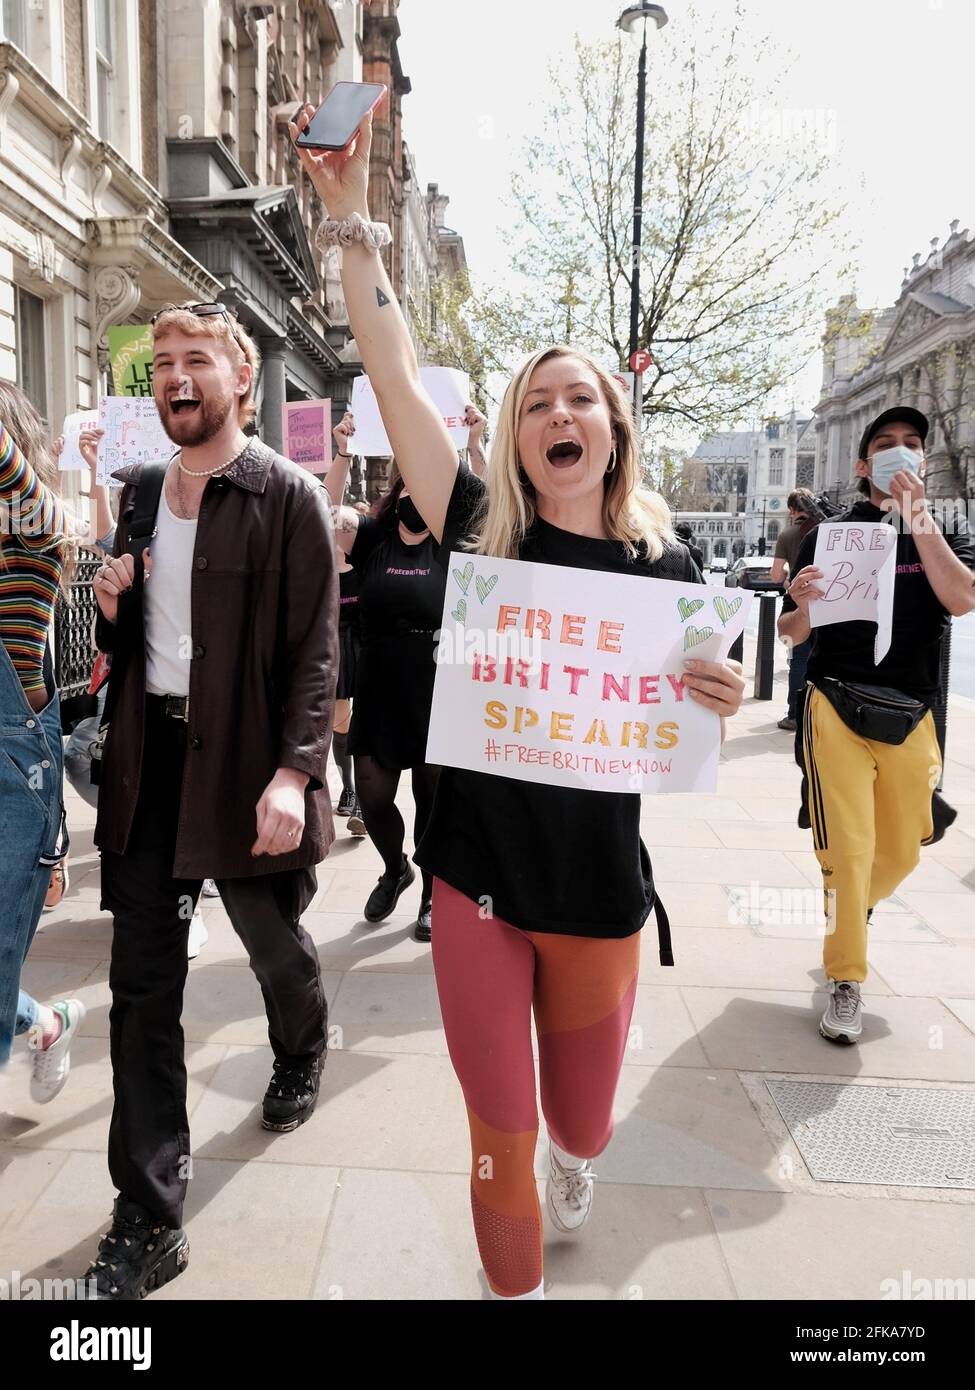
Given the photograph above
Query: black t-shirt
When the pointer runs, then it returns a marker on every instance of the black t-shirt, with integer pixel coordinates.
(913, 662)
(401, 586)
(350, 586)
(400, 609)
(550, 859)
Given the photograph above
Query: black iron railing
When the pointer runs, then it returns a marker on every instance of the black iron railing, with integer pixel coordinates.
(74, 617)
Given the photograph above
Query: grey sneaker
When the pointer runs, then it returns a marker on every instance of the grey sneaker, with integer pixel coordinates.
(568, 1193)
(843, 1019)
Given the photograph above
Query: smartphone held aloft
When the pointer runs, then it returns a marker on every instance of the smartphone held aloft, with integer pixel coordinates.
(335, 123)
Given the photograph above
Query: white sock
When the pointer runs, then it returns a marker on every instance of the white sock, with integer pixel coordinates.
(568, 1161)
(538, 1293)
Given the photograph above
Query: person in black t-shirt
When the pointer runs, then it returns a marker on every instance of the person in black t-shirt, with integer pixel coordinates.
(870, 801)
(349, 643)
(539, 891)
(401, 594)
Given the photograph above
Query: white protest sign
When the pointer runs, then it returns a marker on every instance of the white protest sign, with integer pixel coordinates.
(450, 391)
(575, 677)
(71, 460)
(858, 564)
(133, 434)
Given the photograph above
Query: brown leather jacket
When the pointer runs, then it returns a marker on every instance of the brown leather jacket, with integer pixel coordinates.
(262, 680)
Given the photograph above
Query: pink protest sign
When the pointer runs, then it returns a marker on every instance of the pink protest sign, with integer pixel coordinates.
(306, 434)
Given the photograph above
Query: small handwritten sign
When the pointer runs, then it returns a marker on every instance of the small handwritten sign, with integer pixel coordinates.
(858, 562)
(134, 433)
(306, 433)
(448, 388)
(71, 460)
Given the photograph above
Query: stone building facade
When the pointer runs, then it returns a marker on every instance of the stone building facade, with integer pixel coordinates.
(751, 473)
(430, 251)
(920, 351)
(719, 535)
(145, 159)
(85, 236)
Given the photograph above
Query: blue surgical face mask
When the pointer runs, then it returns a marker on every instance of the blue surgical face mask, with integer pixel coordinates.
(886, 462)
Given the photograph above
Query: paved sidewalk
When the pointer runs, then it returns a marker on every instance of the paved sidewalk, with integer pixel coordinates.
(702, 1193)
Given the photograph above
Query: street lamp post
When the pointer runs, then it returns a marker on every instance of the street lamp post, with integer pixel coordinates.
(629, 21)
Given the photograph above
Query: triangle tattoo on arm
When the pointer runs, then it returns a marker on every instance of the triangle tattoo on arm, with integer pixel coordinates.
(383, 301)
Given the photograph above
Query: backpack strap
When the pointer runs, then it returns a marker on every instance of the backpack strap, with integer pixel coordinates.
(663, 931)
(148, 491)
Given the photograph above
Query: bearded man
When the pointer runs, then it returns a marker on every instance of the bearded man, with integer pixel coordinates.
(220, 610)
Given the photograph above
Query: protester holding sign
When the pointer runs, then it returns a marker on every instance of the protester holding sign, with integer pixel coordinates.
(401, 592)
(871, 752)
(540, 891)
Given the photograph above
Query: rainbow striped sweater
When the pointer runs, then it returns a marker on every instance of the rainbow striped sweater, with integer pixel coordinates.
(32, 531)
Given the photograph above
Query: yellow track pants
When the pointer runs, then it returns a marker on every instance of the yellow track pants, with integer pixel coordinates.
(870, 807)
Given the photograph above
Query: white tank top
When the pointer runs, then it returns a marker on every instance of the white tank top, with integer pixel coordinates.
(169, 638)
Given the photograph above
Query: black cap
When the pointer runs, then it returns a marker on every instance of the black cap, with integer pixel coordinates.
(904, 413)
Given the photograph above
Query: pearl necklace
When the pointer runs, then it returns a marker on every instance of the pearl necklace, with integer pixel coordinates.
(185, 511)
(209, 472)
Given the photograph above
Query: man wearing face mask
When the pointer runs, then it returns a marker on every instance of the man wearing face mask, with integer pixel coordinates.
(871, 787)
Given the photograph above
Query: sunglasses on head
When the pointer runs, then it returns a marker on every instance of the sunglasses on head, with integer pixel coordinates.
(202, 311)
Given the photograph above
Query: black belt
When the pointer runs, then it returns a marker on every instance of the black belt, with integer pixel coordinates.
(172, 706)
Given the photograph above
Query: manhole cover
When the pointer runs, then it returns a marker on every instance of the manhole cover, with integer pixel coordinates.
(879, 1134)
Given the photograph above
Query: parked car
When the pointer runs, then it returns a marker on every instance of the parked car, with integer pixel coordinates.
(752, 572)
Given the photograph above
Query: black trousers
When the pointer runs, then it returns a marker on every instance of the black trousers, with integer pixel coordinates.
(149, 1142)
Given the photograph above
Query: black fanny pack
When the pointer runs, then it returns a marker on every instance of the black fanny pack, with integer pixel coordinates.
(873, 711)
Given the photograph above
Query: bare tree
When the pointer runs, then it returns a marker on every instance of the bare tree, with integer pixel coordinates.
(737, 234)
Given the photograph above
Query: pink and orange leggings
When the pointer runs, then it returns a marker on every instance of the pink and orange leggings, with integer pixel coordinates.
(490, 976)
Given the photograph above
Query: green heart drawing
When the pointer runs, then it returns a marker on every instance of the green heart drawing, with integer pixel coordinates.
(727, 608)
(484, 586)
(464, 576)
(694, 636)
(687, 607)
(460, 612)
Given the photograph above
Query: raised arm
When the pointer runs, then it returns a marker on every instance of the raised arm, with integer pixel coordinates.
(425, 453)
(345, 520)
(475, 447)
(103, 524)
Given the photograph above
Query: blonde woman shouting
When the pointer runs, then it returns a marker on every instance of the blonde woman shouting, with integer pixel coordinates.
(569, 880)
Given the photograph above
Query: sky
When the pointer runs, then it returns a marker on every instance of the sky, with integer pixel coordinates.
(889, 81)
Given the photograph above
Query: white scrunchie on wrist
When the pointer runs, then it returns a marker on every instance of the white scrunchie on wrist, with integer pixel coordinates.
(351, 229)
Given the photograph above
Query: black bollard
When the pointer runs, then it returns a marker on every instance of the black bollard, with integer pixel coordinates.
(765, 658)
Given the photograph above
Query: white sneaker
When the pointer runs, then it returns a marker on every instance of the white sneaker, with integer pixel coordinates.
(198, 936)
(842, 1020)
(568, 1192)
(210, 889)
(50, 1065)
